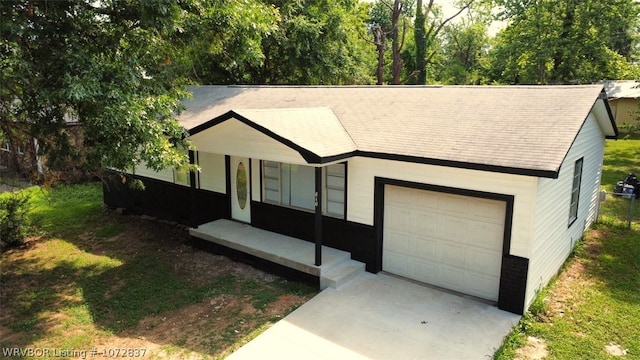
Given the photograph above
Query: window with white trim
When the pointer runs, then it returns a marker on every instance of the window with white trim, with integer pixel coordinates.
(6, 146)
(294, 186)
(182, 177)
(289, 185)
(20, 150)
(334, 183)
(575, 191)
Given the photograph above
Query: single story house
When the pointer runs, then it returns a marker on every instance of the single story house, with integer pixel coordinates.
(624, 99)
(483, 190)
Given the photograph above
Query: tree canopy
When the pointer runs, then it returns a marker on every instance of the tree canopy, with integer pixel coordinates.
(120, 67)
(566, 41)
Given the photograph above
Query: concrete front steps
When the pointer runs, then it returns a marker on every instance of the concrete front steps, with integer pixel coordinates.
(340, 274)
(337, 266)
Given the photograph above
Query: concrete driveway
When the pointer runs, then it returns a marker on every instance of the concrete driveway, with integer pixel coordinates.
(383, 317)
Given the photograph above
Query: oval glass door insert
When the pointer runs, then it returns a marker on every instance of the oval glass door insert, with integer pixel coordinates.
(241, 186)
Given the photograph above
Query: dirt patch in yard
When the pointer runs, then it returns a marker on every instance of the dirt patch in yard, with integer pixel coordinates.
(564, 295)
(534, 349)
(220, 304)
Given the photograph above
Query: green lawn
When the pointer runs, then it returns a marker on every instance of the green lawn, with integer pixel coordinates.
(595, 300)
(90, 278)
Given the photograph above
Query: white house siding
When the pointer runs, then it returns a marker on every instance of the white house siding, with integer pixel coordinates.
(235, 138)
(212, 172)
(164, 175)
(256, 191)
(360, 190)
(553, 239)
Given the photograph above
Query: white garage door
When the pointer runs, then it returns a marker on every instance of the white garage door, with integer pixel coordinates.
(451, 241)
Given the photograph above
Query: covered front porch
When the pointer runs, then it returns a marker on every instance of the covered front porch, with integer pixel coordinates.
(337, 267)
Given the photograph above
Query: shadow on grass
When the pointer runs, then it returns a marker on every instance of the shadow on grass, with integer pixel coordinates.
(104, 279)
(120, 297)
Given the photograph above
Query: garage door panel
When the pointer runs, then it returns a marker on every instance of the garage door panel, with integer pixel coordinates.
(452, 278)
(483, 261)
(426, 224)
(453, 204)
(451, 228)
(424, 248)
(485, 235)
(425, 271)
(397, 263)
(428, 201)
(399, 218)
(482, 286)
(398, 242)
(488, 210)
(447, 240)
(402, 197)
(452, 254)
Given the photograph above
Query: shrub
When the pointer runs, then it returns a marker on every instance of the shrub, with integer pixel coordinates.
(13, 219)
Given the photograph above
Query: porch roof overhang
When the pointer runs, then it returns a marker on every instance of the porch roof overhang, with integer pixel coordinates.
(316, 134)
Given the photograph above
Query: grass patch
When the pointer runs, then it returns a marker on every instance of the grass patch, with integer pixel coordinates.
(89, 277)
(110, 230)
(600, 283)
(66, 210)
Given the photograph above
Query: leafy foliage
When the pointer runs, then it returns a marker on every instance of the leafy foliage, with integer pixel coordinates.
(105, 64)
(464, 54)
(13, 219)
(314, 42)
(566, 41)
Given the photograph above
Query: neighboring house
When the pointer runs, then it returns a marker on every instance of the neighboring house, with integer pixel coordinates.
(624, 99)
(482, 190)
(19, 152)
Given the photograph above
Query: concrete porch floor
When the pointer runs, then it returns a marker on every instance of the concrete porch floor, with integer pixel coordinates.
(337, 267)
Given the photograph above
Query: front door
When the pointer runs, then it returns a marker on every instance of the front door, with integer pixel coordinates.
(240, 195)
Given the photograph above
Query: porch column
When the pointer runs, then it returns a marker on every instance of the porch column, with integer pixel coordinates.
(318, 216)
(193, 208)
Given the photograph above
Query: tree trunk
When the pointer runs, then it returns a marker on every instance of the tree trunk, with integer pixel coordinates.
(421, 44)
(395, 43)
(561, 72)
(380, 45)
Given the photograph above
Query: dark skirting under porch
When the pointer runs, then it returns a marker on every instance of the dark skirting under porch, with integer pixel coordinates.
(357, 239)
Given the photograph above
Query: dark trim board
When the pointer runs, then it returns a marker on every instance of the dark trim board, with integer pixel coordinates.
(513, 278)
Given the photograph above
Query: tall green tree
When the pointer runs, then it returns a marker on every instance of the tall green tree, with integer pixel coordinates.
(314, 42)
(566, 41)
(119, 68)
(427, 26)
(389, 23)
(464, 53)
(225, 40)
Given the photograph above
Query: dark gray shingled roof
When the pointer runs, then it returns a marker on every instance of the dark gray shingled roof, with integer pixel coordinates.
(515, 129)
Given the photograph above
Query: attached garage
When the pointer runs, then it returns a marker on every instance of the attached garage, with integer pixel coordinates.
(475, 190)
(444, 239)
